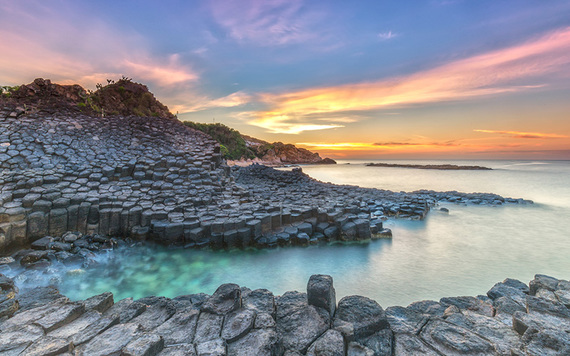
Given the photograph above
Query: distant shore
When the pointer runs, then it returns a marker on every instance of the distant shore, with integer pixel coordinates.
(429, 166)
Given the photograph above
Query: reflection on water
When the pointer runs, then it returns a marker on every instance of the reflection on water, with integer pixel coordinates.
(461, 253)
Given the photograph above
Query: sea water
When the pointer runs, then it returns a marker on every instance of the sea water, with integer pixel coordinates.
(463, 252)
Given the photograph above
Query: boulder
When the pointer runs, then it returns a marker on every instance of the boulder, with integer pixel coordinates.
(209, 327)
(225, 299)
(299, 329)
(321, 292)
(358, 317)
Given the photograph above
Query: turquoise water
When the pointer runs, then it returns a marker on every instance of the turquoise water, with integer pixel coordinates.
(461, 253)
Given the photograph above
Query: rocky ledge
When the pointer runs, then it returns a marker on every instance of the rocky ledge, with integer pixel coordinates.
(512, 319)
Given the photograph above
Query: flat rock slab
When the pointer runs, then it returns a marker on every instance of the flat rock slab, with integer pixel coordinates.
(262, 342)
(180, 328)
(452, 339)
(237, 324)
(110, 342)
(49, 346)
(299, 329)
(331, 343)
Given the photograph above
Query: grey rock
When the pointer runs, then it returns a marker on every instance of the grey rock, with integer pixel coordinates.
(159, 310)
(64, 314)
(407, 344)
(13, 342)
(260, 300)
(146, 345)
(237, 324)
(299, 329)
(356, 349)
(127, 309)
(289, 303)
(225, 299)
(110, 342)
(48, 346)
(363, 315)
(321, 292)
(382, 342)
(179, 350)
(542, 281)
(100, 302)
(405, 320)
(180, 328)
(451, 339)
(331, 343)
(215, 347)
(262, 342)
(39, 296)
(470, 303)
(546, 342)
(94, 329)
(263, 321)
(209, 327)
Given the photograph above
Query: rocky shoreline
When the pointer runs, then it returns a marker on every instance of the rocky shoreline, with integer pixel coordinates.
(155, 179)
(511, 319)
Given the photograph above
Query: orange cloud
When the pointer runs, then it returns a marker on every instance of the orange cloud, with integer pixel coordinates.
(495, 72)
(518, 134)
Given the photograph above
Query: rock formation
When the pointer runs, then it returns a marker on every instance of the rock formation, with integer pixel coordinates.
(512, 319)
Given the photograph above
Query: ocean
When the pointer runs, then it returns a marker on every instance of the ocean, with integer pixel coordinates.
(463, 252)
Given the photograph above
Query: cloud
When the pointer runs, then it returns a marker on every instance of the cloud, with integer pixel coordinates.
(508, 70)
(518, 134)
(64, 45)
(265, 22)
(385, 36)
(435, 144)
(203, 103)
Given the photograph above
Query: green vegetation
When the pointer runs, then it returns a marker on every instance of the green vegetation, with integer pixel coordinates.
(6, 91)
(232, 144)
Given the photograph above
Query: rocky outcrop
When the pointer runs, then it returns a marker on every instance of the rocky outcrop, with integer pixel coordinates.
(278, 154)
(512, 319)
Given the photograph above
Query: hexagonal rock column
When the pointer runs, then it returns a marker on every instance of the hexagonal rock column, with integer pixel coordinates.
(321, 293)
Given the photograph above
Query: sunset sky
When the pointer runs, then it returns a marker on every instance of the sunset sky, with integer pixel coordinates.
(348, 79)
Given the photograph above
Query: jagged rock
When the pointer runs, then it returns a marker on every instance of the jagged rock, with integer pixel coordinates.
(110, 342)
(127, 309)
(260, 300)
(262, 342)
(363, 315)
(321, 293)
(382, 342)
(16, 340)
(356, 349)
(49, 346)
(146, 345)
(331, 343)
(263, 321)
(449, 339)
(209, 327)
(470, 303)
(214, 347)
(546, 342)
(179, 350)
(180, 328)
(542, 281)
(406, 344)
(405, 320)
(100, 302)
(94, 329)
(300, 328)
(225, 299)
(159, 310)
(237, 324)
(64, 314)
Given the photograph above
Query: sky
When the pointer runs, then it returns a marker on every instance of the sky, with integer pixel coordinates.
(441, 79)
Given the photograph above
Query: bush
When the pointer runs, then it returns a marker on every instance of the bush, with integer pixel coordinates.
(232, 144)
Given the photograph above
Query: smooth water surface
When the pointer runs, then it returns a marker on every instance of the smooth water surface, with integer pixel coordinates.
(461, 253)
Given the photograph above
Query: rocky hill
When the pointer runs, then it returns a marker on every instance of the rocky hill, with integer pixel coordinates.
(123, 97)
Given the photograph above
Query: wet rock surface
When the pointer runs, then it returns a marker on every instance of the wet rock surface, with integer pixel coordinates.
(358, 326)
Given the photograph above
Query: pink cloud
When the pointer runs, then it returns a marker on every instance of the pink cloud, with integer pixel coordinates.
(507, 70)
(65, 47)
